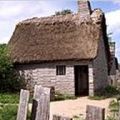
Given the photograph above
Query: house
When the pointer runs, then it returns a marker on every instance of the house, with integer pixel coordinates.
(69, 52)
(114, 67)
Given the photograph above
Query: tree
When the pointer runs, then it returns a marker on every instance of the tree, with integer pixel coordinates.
(9, 81)
(5, 63)
(63, 12)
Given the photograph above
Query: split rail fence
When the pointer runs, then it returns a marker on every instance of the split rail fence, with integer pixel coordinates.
(41, 107)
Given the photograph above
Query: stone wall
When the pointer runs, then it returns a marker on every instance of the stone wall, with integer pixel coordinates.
(45, 74)
(84, 8)
(113, 66)
(100, 68)
(118, 77)
(91, 80)
(113, 77)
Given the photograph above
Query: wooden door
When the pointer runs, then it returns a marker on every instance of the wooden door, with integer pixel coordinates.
(81, 80)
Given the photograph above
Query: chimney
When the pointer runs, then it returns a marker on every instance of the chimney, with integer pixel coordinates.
(112, 48)
(84, 7)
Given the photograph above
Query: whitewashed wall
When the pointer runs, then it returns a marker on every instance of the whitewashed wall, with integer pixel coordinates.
(45, 74)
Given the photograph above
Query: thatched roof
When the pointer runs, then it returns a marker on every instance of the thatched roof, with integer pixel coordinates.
(64, 37)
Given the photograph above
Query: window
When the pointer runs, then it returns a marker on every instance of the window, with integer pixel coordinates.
(60, 70)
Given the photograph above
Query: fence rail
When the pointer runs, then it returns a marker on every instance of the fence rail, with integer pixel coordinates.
(41, 107)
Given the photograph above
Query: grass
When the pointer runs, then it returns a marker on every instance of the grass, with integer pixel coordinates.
(9, 106)
(78, 117)
(113, 110)
(9, 112)
(97, 97)
(11, 98)
(59, 96)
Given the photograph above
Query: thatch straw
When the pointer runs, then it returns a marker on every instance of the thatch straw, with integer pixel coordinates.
(64, 37)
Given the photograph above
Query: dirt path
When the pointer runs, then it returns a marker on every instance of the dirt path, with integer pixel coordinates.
(70, 108)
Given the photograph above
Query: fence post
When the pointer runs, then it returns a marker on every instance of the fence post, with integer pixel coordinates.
(95, 113)
(38, 90)
(57, 117)
(41, 104)
(23, 105)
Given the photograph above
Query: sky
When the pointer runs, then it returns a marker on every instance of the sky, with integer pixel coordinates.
(14, 11)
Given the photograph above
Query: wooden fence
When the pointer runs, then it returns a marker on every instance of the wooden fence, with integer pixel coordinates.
(41, 107)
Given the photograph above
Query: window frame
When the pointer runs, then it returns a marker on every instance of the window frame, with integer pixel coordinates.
(60, 70)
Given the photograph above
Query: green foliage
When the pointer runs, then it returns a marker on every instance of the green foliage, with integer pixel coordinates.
(109, 91)
(59, 96)
(63, 12)
(78, 117)
(9, 81)
(97, 97)
(114, 106)
(9, 98)
(5, 64)
(9, 112)
(113, 110)
(110, 118)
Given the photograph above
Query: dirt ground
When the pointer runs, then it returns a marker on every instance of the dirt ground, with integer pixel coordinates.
(70, 108)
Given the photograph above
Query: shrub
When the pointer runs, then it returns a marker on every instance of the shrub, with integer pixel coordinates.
(107, 92)
(9, 81)
(111, 91)
(63, 12)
